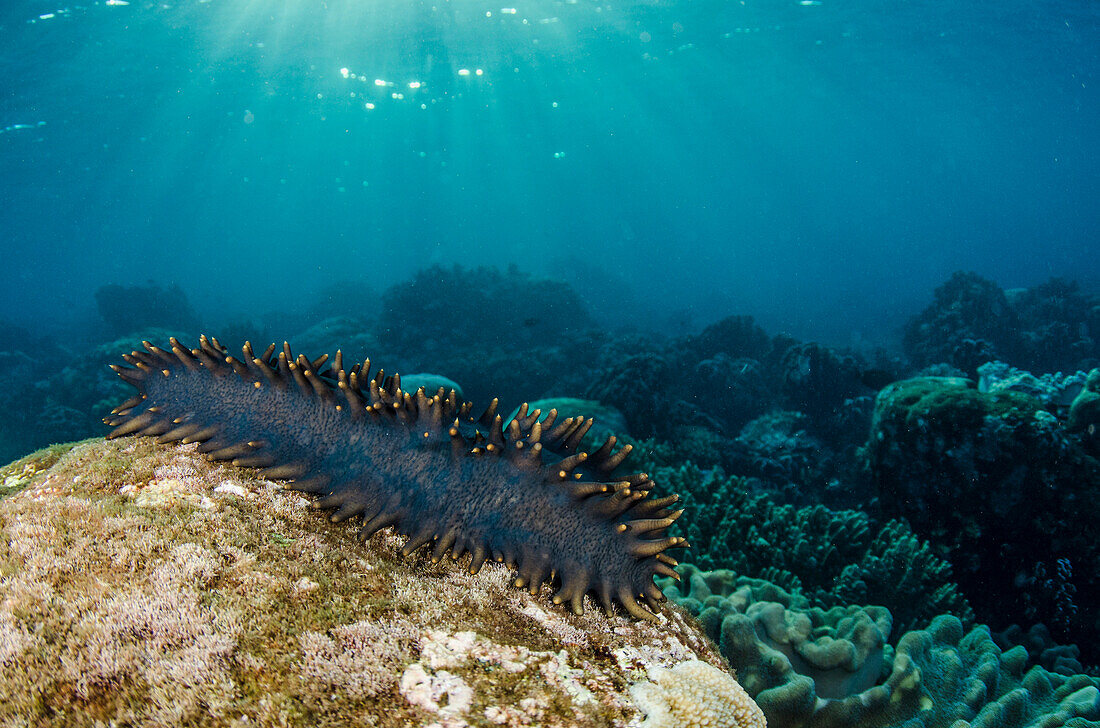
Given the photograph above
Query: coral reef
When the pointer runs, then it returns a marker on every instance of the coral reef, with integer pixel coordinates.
(817, 380)
(512, 307)
(126, 309)
(780, 449)
(734, 336)
(55, 394)
(994, 479)
(695, 694)
(637, 386)
(968, 323)
(1084, 412)
(789, 414)
(830, 558)
(143, 585)
(715, 379)
(1058, 324)
(1053, 391)
(525, 333)
(1042, 648)
(803, 665)
(734, 390)
(350, 334)
(967, 679)
(972, 321)
(813, 668)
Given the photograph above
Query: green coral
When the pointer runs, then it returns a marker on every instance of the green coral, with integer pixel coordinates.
(997, 481)
(832, 557)
(966, 677)
(948, 401)
(1084, 413)
(904, 572)
(812, 668)
(803, 665)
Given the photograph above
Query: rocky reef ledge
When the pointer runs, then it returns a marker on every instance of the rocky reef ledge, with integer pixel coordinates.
(142, 585)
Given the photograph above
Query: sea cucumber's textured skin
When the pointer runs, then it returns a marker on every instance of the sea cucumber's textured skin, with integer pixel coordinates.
(417, 462)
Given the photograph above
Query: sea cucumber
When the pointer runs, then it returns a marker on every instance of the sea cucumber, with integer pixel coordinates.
(518, 492)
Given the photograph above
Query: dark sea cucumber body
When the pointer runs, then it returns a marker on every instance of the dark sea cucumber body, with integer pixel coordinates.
(517, 492)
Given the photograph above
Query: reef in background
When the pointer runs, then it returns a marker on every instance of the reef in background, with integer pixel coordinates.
(767, 436)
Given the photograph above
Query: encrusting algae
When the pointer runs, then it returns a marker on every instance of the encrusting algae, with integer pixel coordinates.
(142, 585)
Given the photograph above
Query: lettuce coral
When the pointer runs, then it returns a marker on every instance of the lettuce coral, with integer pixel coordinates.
(812, 668)
(803, 665)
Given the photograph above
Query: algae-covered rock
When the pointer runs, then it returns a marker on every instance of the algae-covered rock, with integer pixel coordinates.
(142, 585)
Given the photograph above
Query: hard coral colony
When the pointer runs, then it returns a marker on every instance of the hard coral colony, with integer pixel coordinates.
(520, 493)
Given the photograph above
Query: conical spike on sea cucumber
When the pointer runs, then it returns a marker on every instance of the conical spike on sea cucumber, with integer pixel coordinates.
(211, 363)
(443, 545)
(631, 605)
(128, 404)
(490, 412)
(615, 459)
(424, 535)
(177, 433)
(642, 549)
(133, 424)
(575, 437)
(285, 471)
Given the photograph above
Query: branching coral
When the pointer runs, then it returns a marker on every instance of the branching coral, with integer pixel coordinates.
(832, 557)
(967, 308)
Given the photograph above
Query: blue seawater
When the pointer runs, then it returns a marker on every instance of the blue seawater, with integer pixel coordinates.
(803, 253)
(821, 165)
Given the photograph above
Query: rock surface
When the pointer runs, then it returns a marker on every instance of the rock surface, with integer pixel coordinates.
(142, 585)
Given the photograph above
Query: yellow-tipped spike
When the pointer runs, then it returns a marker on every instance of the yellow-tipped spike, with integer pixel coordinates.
(644, 549)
